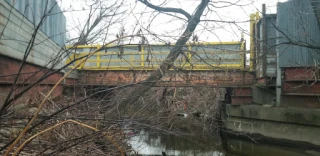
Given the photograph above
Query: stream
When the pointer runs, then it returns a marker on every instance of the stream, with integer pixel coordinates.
(155, 143)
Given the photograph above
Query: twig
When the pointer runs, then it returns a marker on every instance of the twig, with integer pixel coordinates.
(61, 123)
(54, 87)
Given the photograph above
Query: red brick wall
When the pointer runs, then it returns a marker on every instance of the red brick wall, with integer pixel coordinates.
(9, 68)
(300, 87)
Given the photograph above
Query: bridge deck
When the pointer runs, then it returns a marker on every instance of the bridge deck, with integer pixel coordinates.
(190, 78)
(211, 64)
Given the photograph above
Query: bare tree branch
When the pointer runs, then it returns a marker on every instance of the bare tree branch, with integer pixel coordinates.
(167, 63)
(166, 9)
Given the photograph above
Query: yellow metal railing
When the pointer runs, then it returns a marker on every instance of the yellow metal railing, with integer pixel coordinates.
(254, 18)
(198, 56)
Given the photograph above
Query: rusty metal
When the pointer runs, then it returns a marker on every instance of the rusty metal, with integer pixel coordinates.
(301, 73)
(239, 100)
(195, 78)
(29, 75)
(300, 87)
(243, 91)
(305, 102)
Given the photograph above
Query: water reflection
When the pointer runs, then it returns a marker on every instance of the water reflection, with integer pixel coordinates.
(239, 147)
(147, 143)
(157, 143)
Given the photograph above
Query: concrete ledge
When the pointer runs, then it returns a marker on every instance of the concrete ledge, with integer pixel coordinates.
(286, 131)
(73, 75)
(299, 116)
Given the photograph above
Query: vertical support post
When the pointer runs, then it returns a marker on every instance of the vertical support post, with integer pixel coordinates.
(257, 17)
(131, 60)
(76, 56)
(278, 81)
(189, 54)
(242, 64)
(142, 56)
(98, 58)
(264, 40)
(279, 73)
(243, 56)
(83, 63)
(257, 42)
(252, 45)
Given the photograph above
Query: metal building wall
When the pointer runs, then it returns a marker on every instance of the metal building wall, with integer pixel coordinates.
(54, 25)
(267, 58)
(17, 32)
(296, 20)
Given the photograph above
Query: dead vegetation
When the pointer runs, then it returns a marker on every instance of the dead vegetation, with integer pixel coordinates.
(85, 128)
(94, 121)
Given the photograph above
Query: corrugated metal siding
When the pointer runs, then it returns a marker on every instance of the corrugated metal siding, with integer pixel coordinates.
(296, 19)
(17, 32)
(316, 9)
(271, 59)
(54, 25)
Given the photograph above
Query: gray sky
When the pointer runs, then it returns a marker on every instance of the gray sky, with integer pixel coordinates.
(169, 28)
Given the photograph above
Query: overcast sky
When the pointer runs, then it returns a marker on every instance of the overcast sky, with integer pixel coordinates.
(168, 28)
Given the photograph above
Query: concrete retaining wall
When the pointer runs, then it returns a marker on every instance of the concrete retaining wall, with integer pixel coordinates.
(291, 124)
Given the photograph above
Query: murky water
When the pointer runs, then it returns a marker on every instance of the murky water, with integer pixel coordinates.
(147, 143)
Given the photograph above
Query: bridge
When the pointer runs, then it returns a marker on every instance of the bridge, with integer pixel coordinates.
(285, 77)
(218, 64)
(214, 64)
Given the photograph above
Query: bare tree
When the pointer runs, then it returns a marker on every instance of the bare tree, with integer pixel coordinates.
(102, 15)
(192, 23)
(88, 120)
(107, 15)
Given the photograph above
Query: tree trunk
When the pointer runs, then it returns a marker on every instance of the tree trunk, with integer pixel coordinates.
(168, 62)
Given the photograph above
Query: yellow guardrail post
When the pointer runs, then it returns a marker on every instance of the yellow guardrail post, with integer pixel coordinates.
(98, 58)
(190, 50)
(257, 17)
(253, 21)
(242, 55)
(76, 56)
(82, 64)
(131, 61)
(189, 54)
(252, 24)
